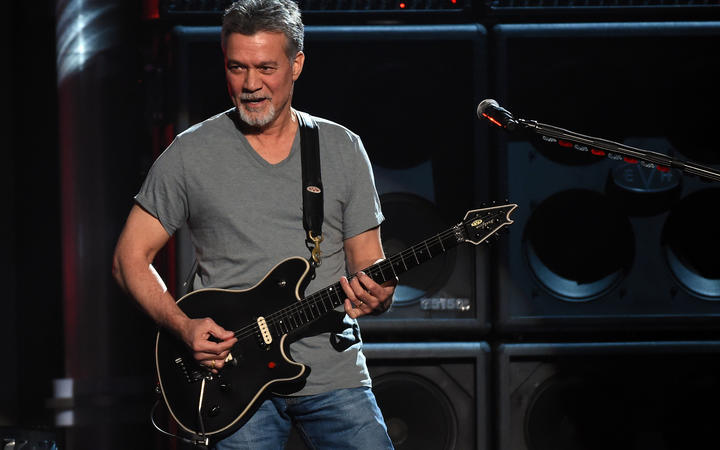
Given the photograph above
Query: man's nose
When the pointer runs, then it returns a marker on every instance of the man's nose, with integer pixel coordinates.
(252, 81)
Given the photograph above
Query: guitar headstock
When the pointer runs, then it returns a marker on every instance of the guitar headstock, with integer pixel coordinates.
(481, 224)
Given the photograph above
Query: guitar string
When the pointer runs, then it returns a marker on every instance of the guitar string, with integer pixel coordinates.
(313, 299)
(389, 263)
(316, 298)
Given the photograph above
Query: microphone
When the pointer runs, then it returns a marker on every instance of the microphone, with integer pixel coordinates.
(490, 110)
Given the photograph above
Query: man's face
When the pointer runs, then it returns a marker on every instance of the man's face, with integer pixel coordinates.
(260, 76)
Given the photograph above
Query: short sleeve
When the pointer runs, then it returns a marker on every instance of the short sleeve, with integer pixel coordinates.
(163, 193)
(362, 209)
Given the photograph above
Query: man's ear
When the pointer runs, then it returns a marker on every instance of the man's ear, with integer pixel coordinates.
(297, 64)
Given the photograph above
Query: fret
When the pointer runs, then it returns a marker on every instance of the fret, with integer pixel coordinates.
(278, 331)
(422, 254)
(430, 255)
(302, 315)
(314, 313)
(324, 305)
(402, 260)
(328, 301)
(291, 322)
(334, 290)
(415, 255)
(376, 274)
(329, 304)
(391, 268)
(436, 246)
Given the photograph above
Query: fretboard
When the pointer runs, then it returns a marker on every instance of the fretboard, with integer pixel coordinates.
(316, 305)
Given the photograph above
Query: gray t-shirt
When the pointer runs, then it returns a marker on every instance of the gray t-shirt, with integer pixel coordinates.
(245, 216)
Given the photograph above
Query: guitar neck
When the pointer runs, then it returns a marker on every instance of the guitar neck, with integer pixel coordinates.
(395, 265)
(477, 226)
(316, 305)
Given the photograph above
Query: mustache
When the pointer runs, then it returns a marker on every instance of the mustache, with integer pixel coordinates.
(251, 97)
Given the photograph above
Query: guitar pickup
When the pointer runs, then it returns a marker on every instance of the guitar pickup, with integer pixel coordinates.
(264, 330)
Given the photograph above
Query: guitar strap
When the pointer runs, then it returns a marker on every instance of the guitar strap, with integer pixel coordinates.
(312, 189)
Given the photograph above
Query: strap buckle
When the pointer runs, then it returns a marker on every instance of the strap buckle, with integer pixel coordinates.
(315, 251)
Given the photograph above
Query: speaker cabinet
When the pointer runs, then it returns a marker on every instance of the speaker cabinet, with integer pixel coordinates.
(643, 395)
(416, 119)
(432, 395)
(606, 244)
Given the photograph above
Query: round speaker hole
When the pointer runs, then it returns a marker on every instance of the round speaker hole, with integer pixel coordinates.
(578, 245)
(691, 244)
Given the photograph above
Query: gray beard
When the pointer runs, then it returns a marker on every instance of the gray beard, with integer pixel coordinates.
(254, 120)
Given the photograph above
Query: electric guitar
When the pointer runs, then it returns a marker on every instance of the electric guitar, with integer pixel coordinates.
(265, 319)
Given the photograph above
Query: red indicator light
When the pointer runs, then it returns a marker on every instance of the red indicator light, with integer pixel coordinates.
(597, 152)
(453, 1)
(271, 365)
(629, 160)
(565, 143)
(402, 5)
(662, 168)
(492, 120)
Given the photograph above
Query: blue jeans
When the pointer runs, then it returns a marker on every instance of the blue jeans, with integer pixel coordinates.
(341, 419)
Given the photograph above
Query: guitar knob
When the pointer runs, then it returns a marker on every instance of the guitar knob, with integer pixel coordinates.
(214, 411)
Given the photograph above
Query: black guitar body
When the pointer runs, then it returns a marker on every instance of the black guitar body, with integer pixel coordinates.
(217, 404)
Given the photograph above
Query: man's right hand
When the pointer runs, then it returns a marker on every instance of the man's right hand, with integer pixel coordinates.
(209, 342)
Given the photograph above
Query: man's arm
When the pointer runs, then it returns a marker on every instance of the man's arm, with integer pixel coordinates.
(365, 296)
(141, 239)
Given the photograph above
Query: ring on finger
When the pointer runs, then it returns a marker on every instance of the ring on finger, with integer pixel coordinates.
(212, 364)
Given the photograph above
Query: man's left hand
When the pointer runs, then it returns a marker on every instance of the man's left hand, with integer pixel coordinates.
(365, 296)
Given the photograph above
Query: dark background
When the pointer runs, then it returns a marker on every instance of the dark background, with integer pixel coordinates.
(591, 324)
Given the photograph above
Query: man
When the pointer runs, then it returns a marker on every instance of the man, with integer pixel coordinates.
(235, 179)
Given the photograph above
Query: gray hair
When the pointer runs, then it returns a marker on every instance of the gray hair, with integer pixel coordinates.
(277, 16)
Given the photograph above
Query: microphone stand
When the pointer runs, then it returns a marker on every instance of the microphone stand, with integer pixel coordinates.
(651, 159)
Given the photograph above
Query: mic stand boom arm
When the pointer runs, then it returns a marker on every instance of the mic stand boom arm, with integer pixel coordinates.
(658, 159)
